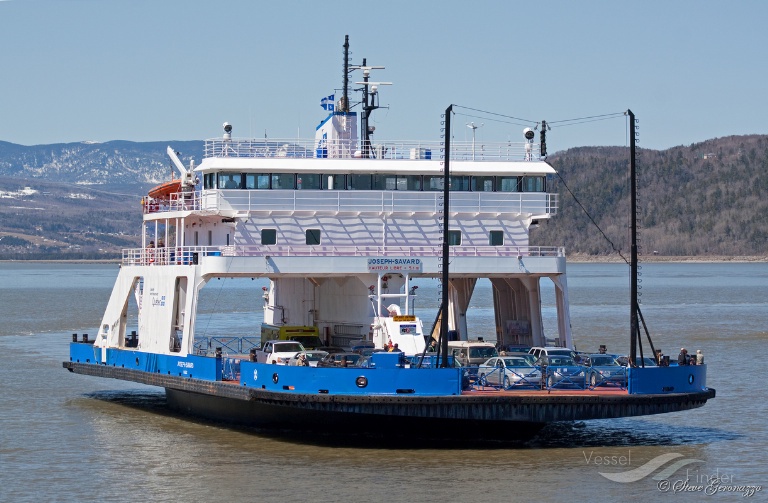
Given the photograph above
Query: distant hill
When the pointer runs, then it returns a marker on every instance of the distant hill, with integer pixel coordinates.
(706, 199)
(86, 163)
(81, 200)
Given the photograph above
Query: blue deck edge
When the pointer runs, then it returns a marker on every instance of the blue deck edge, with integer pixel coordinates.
(387, 375)
(663, 380)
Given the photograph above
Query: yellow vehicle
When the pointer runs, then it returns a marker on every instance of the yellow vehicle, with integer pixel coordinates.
(309, 337)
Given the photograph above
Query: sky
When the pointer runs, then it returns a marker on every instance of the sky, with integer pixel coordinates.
(163, 70)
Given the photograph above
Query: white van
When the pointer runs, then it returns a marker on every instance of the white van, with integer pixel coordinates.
(472, 353)
(539, 351)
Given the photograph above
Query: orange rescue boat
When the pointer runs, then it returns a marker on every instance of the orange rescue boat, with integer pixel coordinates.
(164, 190)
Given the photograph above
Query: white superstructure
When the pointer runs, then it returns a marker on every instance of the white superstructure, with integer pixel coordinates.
(341, 227)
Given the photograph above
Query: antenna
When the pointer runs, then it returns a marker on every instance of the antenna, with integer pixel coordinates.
(474, 127)
(374, 86)
(369, 88)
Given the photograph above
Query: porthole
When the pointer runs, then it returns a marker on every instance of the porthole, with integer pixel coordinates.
(361, 382)
(275, 378)
(690, 379)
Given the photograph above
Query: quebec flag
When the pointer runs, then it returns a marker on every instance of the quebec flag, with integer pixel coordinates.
(327, 103)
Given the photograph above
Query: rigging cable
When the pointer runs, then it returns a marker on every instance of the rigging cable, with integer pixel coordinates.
(617, 250)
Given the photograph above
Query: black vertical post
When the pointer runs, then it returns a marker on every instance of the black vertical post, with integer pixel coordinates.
(634, 326)
(366, 138)
(345, 91)
(446, 195)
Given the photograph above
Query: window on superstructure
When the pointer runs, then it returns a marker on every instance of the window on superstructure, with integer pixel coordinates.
(335, 182)
(496, 238)
(257, 181)
(507, 184)
(433, 182)
(359, 182)
(209, 181)
(409, 182)
(454, 238)
(283, 181)
(210, 238)
(269, 236)
(384, 182)
(309, 181)
(533, 184)
(313, 236)
(459, 183)
(230, 180)
(482, 184)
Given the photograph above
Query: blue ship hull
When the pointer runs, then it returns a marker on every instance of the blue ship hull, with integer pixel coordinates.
(422, 401)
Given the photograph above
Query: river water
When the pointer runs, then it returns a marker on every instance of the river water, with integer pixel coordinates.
(67, 437)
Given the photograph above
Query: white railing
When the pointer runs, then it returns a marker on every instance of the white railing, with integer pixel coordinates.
(425, 150)
(190, 255)
(180, 201)
(533, 203)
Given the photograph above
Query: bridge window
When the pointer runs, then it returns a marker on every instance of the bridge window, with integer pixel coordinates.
(359, 182)
(308, 181)
(533, 183)
(230, 180)
(384, 182)
(393, 182)
(507, 184)
(496, 238)
(482, 184)
(454, 238)
(459, 183)
(409, 182)
(209, 181)
(268, 236)
(257, 180)
(283, 181)
(433, 182)
(313, 236)
(335, 182)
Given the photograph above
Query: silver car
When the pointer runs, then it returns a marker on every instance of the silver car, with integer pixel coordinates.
(509, 371)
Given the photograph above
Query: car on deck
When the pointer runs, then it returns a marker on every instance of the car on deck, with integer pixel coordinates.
(339, 360)
(604, 369)
(312, 356)
(562, 372)
(509, 371)
(278, 351)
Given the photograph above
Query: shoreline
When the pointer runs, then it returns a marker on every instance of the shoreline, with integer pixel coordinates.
(674, 259)
(576, 258)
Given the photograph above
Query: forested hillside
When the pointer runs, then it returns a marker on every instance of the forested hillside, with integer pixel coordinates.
(706, 199)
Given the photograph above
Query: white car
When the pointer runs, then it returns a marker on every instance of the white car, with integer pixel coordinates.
(278, 351)
(509, 371)
(539, 351)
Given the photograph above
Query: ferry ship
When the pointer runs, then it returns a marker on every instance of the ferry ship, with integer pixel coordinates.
(341, 226)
